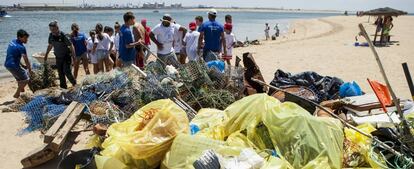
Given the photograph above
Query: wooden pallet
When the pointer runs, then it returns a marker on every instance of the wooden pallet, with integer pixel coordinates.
(55, 137)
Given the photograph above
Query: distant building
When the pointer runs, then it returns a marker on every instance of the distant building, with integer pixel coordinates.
(47, 5)
(155, 5)
(204, 6)
(178, 5)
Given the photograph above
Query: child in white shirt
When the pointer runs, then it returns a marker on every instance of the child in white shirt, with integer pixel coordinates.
(91, 54)
(230, 41)
(191, 42)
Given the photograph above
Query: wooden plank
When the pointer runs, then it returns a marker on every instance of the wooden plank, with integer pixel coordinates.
(39, 156)
(61, 135)
(50, 134)
(50, 150)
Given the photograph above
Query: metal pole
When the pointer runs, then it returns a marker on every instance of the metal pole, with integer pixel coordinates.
(382, 144)
(409, 80)
(405, 128)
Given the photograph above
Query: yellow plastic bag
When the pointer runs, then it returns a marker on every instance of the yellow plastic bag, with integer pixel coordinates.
(94, 141)
(320, 163)
(357, 148)
(186, 149)
(274, 162)
(209, 122)
(290, 129)
(206, 118)
(410, 118)
(142, 140)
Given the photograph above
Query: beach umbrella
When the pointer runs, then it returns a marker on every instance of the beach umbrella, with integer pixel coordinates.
(387, 11)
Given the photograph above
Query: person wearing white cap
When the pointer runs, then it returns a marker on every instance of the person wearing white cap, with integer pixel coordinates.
(163, 36)
(212, 32)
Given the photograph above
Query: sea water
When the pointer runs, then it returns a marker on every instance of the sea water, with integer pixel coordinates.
(248, 24)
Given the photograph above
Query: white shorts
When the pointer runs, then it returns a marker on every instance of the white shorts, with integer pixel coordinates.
(101, 54)
(192, 55)
(94, 59)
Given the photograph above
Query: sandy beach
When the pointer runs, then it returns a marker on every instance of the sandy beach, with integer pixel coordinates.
(323, 45)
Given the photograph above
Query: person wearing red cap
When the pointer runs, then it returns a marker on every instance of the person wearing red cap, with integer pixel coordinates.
(191, 42)
(230, 41)
(147, 41)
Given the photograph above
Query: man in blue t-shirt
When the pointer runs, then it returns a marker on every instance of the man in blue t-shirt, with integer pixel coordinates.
(78, 40)
(15, 51)
(213, 34)
(126, 41)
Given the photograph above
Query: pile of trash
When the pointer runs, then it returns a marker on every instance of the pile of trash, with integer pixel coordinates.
(265, 135)
(255, 132)
(210, 115)
(246, 43)
(323, 87)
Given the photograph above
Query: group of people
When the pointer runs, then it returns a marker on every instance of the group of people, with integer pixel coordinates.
(124, 45)
(267, 30)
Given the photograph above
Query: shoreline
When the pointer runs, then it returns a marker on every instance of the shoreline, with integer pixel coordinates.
(323, 45)
(224, 9)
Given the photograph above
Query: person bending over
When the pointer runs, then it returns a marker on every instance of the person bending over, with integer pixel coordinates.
(15, 51)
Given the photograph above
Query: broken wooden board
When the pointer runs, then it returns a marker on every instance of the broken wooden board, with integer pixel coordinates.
(39, 156)
(51, 133)
(71, 121)
(252, 70)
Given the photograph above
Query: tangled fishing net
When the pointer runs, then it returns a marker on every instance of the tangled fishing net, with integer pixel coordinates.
(114, 96)
(40, 113)
(42, 78)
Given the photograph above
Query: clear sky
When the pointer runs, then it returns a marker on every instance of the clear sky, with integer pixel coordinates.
(353, 5)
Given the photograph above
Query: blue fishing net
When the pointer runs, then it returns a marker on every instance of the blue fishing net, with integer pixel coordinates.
(39, 111)
(85, 97)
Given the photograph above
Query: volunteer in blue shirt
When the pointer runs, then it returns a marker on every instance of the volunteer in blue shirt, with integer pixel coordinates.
(15, 51)
(126, 41)
(213, 34)
(78, 40)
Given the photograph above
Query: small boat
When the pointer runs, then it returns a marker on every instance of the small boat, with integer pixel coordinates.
(3, 13)
(51, 58)
(156, 11)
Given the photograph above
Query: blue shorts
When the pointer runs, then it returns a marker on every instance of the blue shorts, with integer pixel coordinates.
(19, 74)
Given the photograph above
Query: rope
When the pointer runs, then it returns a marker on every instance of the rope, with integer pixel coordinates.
(400, 162)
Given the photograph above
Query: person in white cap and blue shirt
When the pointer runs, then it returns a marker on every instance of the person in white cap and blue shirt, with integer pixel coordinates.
(212, 32)
(163, 36)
